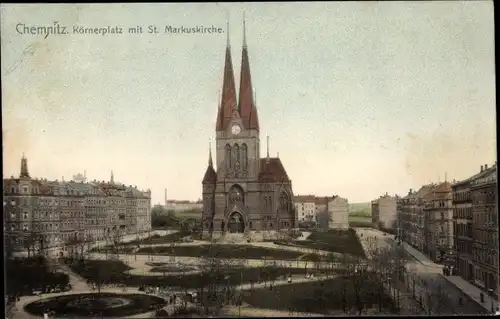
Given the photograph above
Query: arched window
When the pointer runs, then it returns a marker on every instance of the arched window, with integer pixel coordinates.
(236, 195)
(244, 156)
(235, 155)
(227, 157)
(283, 202)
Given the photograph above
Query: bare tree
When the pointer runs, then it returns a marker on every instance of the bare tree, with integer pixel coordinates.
(113, 239)
(436, 299)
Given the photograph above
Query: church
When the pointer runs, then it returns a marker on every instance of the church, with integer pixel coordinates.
(243, 192)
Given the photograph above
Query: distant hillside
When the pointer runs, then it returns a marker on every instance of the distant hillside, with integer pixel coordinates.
(360, 209)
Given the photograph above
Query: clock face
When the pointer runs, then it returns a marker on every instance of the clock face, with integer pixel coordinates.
(235, 129)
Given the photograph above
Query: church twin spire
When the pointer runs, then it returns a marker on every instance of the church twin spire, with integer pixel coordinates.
(246, 104)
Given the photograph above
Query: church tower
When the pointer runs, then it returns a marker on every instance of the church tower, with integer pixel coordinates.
(243, 192)
(237, 127)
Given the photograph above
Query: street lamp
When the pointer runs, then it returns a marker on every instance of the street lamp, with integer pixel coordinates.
(490, 293)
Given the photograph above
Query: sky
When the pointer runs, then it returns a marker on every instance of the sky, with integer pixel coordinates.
(358, 98)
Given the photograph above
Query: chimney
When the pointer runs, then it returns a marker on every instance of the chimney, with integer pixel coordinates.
(481, 168)
(485, 166)
(411, 190)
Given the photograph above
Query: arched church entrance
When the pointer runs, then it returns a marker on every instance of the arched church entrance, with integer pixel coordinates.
(236, 223)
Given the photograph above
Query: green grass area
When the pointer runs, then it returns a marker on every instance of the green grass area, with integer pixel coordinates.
(188, 214)
(223, 251)
(157, 239)
(338, 241)
(360, 223)
(321, 296)
(363, 219)
(360, 209)
(113, 272)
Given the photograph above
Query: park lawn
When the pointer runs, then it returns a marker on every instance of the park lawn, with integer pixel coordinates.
(223, 251)
(360, 209)
(359, 221)
(338, 241)
(318, 296)
(113, 272)
(157, 239)
(113, 250)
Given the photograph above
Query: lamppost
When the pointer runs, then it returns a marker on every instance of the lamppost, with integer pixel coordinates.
(490, 293)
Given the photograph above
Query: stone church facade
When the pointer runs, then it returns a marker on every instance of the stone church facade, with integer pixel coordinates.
(243, 192)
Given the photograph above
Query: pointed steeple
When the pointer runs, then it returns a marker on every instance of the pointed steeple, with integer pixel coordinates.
(112, 180)
(24, 167)
(267, 157)
(210, 174)
(244, 32)
(210, 163)
(247, 108)
(228, 99)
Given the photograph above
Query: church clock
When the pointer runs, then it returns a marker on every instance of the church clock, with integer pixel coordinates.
(235, 129)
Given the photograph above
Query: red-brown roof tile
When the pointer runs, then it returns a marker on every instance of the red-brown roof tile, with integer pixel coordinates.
(272, 170)
(210, 176)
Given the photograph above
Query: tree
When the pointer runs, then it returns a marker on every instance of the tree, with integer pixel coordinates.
(113, 239)
(436, 299)
(212, 282)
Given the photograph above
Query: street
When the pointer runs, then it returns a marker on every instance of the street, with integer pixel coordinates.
(426, 278)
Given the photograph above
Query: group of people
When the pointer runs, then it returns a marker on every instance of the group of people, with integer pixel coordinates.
(449, 270)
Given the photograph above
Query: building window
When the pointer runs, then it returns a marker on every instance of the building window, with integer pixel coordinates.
(25, 227)
(12, 215)
(227, 156)
(25, 215)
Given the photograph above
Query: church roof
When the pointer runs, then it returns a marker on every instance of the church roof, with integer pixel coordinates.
(210, 175)
(272, 170)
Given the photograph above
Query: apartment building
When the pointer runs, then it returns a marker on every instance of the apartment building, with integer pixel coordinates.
(412, 216)
(41, 214)
(328, 212)
(338, 211)
(438, 222)
(385, 212)
(475, 214)
(321, 212)
(305, 208)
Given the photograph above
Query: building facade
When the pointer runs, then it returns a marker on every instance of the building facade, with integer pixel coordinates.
(438, 222)
(475, 215)
(385, 212)
(244, 192)
(305, 208)
(485, 230)
(42, 215)
(338, 211)
(411, 215)
(328, 212)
